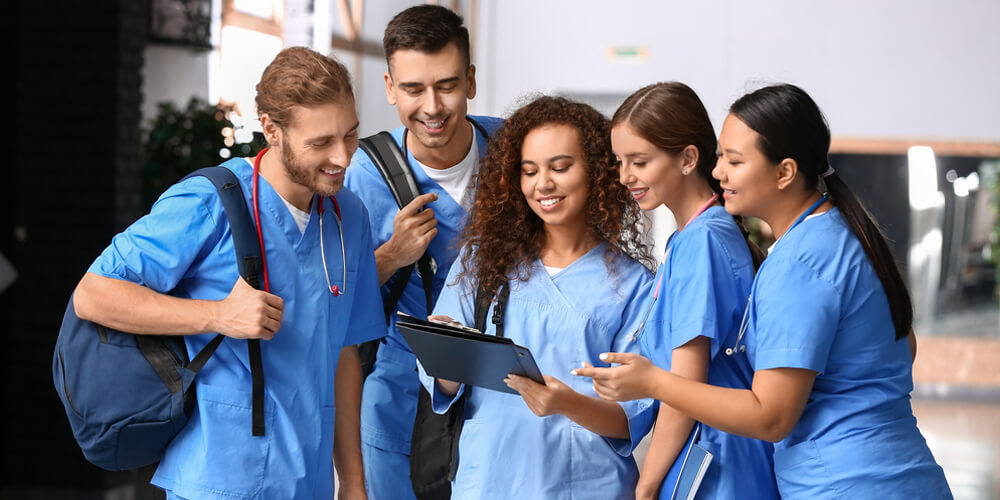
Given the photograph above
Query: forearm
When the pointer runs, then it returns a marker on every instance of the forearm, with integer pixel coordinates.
(130, 307)
(347, 432)
(386, 262)
(605, 418)
(669, 435)
(736, 411)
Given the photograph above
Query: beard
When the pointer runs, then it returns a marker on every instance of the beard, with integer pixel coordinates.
(304, 175)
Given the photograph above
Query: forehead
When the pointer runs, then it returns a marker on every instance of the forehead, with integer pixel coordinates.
(409, 65)
(736, 133)
(335, 118)
(550, 140)
(626, 139)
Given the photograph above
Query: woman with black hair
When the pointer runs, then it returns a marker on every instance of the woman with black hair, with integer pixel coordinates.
(827, 328)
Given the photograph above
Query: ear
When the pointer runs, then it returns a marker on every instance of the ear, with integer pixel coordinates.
(272, 132)
(389, 94)
(786, 172)
(689, 159)
(470, 75)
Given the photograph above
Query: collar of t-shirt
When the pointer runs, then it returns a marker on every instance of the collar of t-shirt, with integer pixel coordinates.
(457, 180)
(553, 270)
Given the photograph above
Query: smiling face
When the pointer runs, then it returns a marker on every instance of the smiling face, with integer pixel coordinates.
(318, 144)
(749, 180)
(554, 177)
(652, 175)
(430, 92)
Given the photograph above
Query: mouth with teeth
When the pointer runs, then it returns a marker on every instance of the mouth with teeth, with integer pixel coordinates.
(334, 173)
(435, 127)
(728, 193)
(639, 193)
(551, 202)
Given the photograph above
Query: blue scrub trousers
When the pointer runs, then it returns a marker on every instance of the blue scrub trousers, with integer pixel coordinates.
(387, 474)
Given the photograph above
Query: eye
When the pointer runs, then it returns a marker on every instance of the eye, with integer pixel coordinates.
(638, 164)
(446, 88)
(528, 173)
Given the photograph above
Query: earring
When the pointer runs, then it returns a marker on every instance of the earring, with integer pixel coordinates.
(686, 171)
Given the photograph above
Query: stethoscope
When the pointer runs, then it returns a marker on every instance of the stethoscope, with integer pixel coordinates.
(656, 293)
(744, 324)
(334, 289)
(406, 156)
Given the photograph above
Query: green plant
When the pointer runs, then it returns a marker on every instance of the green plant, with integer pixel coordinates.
(182, 140)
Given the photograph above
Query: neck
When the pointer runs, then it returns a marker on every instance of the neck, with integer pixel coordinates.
(691, 199)
(563, 245)
(783, 214)
(273, 169)
(447, 156)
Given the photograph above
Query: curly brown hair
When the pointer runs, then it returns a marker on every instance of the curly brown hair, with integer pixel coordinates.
(503, 235)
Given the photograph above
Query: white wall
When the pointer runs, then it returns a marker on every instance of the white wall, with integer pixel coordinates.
(173, 74)
(887, 69)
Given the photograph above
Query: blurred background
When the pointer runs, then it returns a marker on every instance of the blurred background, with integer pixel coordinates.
(115, 100)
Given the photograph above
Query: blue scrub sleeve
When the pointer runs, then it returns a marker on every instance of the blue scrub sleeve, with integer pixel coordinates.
(158, 249)
(362, 179)
(456, 303)
(641, 413)
(795, 316)
(700, 269)
(367, 317)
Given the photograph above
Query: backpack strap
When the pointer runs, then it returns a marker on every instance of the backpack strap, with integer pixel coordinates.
(395, 171)
(248, 261)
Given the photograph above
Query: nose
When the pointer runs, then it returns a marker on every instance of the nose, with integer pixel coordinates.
(431, 102)
(625, 175)
(718, 171)
(545, 182)
(341, 154)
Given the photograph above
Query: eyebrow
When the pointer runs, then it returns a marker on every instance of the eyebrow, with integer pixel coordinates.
(733, 151)
(322, 138)
(551, 160)
(411, 85)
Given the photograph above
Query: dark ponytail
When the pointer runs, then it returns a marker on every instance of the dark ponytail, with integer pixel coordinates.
(671, 117)
(790, 125)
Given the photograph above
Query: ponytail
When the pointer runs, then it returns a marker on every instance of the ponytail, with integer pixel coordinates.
(867, 231)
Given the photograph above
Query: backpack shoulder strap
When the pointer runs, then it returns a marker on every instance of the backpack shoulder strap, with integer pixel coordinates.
(395, 171)
(248, 261)
(482, 306)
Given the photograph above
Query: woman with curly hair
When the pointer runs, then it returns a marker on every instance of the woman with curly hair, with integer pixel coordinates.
(551, 222)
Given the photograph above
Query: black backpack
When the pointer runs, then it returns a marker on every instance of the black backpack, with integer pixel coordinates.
(127, 396)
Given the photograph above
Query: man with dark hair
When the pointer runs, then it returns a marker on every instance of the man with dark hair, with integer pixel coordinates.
(174, 272)
(429, 79)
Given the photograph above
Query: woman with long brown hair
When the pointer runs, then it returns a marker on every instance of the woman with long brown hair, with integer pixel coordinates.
(664, 139)
(553, 224)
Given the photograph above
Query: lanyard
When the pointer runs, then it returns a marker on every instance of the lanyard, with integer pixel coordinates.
(334, 289)
(744, 324)
(656, 293)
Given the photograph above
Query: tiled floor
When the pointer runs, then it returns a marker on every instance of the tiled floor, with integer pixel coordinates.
(965, 440)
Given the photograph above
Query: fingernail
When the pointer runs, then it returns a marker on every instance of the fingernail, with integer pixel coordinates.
(603, 356)
(583, 364)
(573, 372)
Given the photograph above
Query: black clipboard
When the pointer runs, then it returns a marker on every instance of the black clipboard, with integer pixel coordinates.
(465, 355)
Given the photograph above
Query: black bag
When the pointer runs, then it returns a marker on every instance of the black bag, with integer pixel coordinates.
(434, 444)
(126, 396)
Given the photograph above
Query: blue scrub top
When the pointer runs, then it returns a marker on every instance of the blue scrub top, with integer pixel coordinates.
(184, 247)
(706, 277)
(389, 404)
(505, 450)
(817, 304)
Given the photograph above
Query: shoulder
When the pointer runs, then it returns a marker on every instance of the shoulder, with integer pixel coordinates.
(351, 206)
(490, 123)
(199, 190)
(824, 244)
(632, 273)
(713, 232)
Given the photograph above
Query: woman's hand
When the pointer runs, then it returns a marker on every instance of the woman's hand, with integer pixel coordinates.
(631, 379)
(550, 399)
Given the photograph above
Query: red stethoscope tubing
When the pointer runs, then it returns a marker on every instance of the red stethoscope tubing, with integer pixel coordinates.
(256, 216)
